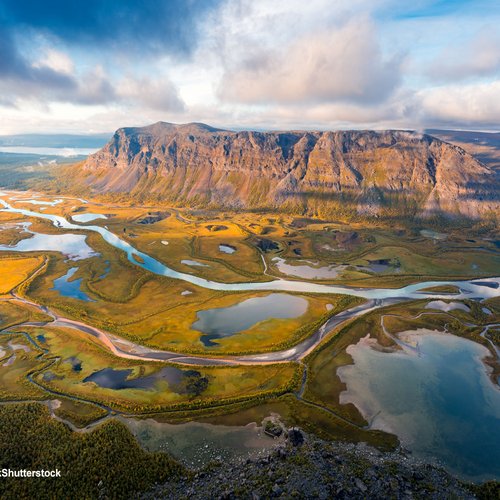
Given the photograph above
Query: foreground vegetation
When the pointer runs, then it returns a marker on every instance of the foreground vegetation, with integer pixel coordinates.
(105, 463)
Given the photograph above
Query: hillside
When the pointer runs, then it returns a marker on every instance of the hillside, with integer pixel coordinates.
(485, 146)
(351, 173)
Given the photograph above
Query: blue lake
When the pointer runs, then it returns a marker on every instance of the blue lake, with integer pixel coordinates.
(71, 288)
(438, 399)
(180, 381)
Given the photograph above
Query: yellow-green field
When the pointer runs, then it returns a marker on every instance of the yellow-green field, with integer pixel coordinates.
(14, 271)
(224, 384)
(159, 312)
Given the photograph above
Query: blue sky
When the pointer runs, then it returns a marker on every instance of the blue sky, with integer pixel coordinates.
(94, 66)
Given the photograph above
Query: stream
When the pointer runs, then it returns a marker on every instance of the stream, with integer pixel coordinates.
(376, 298)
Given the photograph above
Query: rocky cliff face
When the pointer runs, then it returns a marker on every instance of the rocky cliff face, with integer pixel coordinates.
(356, 173)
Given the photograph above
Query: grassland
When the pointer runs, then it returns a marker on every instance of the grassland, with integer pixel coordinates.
(16, 270)
(152, 310)
(56, 373)
(173, 235)
(79, 413)
(232, 395)
(15, 364)
(14, 313)
(300, 413)
(442, 289)
(159, 312)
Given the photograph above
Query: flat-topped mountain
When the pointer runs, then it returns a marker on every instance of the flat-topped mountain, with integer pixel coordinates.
(349, 173)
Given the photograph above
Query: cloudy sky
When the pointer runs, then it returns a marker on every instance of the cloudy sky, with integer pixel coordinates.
(96, 65)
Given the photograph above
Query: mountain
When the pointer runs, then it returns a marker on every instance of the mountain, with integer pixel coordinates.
(391, 173)
(485, 146)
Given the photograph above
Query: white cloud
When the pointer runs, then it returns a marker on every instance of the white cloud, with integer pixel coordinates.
(478, 57)
(471, 104)
(336, 64)
(159, 93)
(281, 64)
(57, 61)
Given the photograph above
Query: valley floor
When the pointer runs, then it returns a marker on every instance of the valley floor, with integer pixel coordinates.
(228, 319)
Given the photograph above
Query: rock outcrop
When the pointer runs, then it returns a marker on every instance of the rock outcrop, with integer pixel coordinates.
(319, 469)
(348, 173)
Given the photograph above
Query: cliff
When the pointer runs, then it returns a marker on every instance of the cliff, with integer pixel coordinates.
(356, 173)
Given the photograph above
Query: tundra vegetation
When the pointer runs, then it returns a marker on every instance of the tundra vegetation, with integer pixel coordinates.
(45, 362)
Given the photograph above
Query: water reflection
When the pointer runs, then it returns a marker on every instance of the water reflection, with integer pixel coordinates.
(437, 397)
(74, 246)
(88, 217)
(226, 321)
(71, 288)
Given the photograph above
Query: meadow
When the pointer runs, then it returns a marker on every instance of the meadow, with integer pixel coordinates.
(82, 381)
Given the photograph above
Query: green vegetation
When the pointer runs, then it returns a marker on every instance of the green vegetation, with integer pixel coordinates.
(295, 412)
(80, 414)
(153, 310)
(106, 462)
(13, 312)
(159, 312)
(442, 289)
(18, 359)
(20, 171)
(215, 386)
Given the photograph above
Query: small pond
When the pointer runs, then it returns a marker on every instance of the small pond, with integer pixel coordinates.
(71, 288)
(41, 202)
(229, 249)
(76, 364)
(226, 321)
(196, 444)
(180, 381)
(308, 270)
(380, 266)
(447, 306)
(434, 235)
(311, 270)
(88, 217)
(193, 263)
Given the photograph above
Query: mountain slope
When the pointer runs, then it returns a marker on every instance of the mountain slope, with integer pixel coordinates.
(367, 173)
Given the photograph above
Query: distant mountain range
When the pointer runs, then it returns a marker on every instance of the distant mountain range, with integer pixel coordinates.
(392, 174)
(55, 140)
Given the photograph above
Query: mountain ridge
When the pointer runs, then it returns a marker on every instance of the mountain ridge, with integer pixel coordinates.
(354, 172)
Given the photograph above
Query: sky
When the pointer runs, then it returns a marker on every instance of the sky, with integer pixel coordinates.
(96, 65)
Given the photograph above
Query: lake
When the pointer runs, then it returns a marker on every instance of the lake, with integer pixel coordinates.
(71, 288)
(226, 321)
(74, 246)
(88, 217)
(196, 444)
(436, 395)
